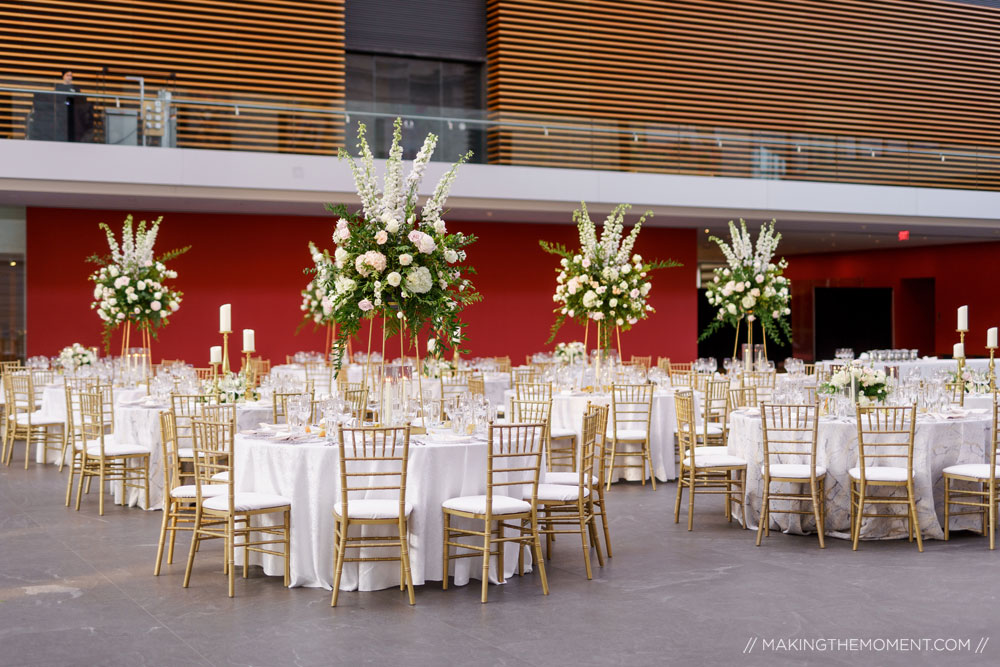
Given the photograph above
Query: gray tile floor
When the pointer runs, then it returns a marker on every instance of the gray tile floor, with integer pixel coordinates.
(77, 589)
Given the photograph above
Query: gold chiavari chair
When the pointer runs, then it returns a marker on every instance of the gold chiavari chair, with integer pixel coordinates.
(809, 369)
(663, 363)
(42, 377)
(103, 456)
(179, 500)
(984, 497)
(743, 397)
(885, 433)
(228, 515)
(372, 463)
(568, 508)
(681, 366)
(631, 413)
(26, 422)
(71, 439)
(451, 389)
(358, 400)
(280, 404)
(679, 378)
(715, 413)
(642, 362)
(477, 385)
(704, 470)
(502, 364)
(514, 458)
(560, 442)
(596, 496)
(790, 459)
(533, 391)
(183, 409)
(203, 373)
(524, 376)
(956, 392)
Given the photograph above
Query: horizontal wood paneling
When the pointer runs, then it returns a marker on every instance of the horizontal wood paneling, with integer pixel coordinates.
(846, 85)
(276, 52)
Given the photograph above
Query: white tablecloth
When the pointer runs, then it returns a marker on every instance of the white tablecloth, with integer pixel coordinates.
(141, 426)
(927, 367)
(309, 475)
(567, 413)
(53, 406)
(937, 444)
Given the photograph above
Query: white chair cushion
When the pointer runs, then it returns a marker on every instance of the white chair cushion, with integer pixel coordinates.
(38, 418)
(115, 449)
(571, 478)
(207, 491)
(560, 433)
(559, 492)
(477, 505)
(977, 470)
(710, 450)
(221, 476)
(246, 502)
(628, 434)
(716, 460)
(714, 428)
(879, 474)
(371, 508)
(795, 470)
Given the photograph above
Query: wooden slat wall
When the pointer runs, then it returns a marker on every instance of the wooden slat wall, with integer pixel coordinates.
(855, 87)
(287, 52)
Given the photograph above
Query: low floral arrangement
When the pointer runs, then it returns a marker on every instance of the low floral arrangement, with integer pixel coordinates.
(130, 285)
(974, 383)
(603, 281)
(316, 305)
(751, 286)
(435, 368)
(232, 388)
(869, 384)
(394, 260)
(570, 353)
(75, 356)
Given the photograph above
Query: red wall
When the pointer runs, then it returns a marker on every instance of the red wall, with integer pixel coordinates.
(256, 263)
(963, 275)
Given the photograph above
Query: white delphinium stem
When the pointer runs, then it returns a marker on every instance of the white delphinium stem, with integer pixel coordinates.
(417, 172)
(588, 234)
(393, 183)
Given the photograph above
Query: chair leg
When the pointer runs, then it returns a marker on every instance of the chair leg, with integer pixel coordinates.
(913, 515)
(100, 490)
(167, 510)
(195, 538)
(594, 539)
(69, 482)
(764, 513)
(83, 476)
(583, 538)
(62, 450)
(814, 489)
(677, 501)
(340, 529)
(729, 495)
(173, 532)
(858, 516)
(947, 508)
(648, 458)
(288, 548)
(231, 553)
(691, 500)
(501, 572)
(444, 553)
(610, 471)
(404, 558)
(992, 511)
(604, 519)
(538, 554)
(487, 528)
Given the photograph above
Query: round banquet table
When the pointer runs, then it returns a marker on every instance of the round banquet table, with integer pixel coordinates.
(140, 425)
(309, 475)
(938, 443)
(567, 413)
(926, 367)
(53, 406)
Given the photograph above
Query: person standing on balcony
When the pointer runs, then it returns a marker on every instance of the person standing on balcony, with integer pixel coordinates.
(61, 116)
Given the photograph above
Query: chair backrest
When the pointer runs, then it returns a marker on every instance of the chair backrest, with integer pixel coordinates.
(600, 436)
(358, 400)
(631, 407)
(590, 451)
(533, 391)
(73, 388)
(885, 433)
(663, 363)
(95, 415)
(790, 435)
(373, 464)
(643, 362)
(531, 412)
(168, 447)
(759, 379)
(21, 393)
(477, 385)
(41, 377)
(992, 454)
(213, 449)
(502, 364)
(452, 388)
(956, 392)
(809, 369)
(681, 378)
(743, 397)
(523, 375)
(686, 434)
(514, 459)
(184, 408)
(715, 406)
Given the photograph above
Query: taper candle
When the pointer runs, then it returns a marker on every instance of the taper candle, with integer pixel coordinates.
(248, 341)
(959, 351)
(963, 318)
(991, 337)
(225, 318)
(215, 354)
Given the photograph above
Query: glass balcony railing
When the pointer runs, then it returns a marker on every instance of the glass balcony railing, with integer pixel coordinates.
(174, 118)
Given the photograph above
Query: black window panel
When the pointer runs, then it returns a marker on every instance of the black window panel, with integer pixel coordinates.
(448, 29)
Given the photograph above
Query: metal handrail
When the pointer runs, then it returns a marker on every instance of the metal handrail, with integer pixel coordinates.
(732, 136)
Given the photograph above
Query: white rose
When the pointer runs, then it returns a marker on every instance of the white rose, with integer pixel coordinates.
(156, 305)
(759, 278)
(755, 292)
(419, 280)
(739, 287)
(450, 256)
(405, 259)
(98, 292)
(731, 308)
(748, 302)
(431, 344)
(439, 227)
(620, 321)
(394, 279)
(613, 302)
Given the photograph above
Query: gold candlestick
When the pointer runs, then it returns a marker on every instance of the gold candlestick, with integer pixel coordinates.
(225, 351)
(961, 367)
(215, 379)
(248, 373)
(993, 372)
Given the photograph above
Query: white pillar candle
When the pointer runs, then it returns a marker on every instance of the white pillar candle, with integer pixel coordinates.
(215, 354)
(225, 318)
(959, 351)
(248, 341)
(963, 318)
(991, 337)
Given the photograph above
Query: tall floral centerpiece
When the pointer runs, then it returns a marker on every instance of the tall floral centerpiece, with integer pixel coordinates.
(751, 286)
(130, 285)
(603, 281)
(395, 259)
(317, 306)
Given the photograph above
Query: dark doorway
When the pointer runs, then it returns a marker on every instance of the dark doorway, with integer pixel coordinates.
(855, 317)
(720, 344)
(915, 315)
